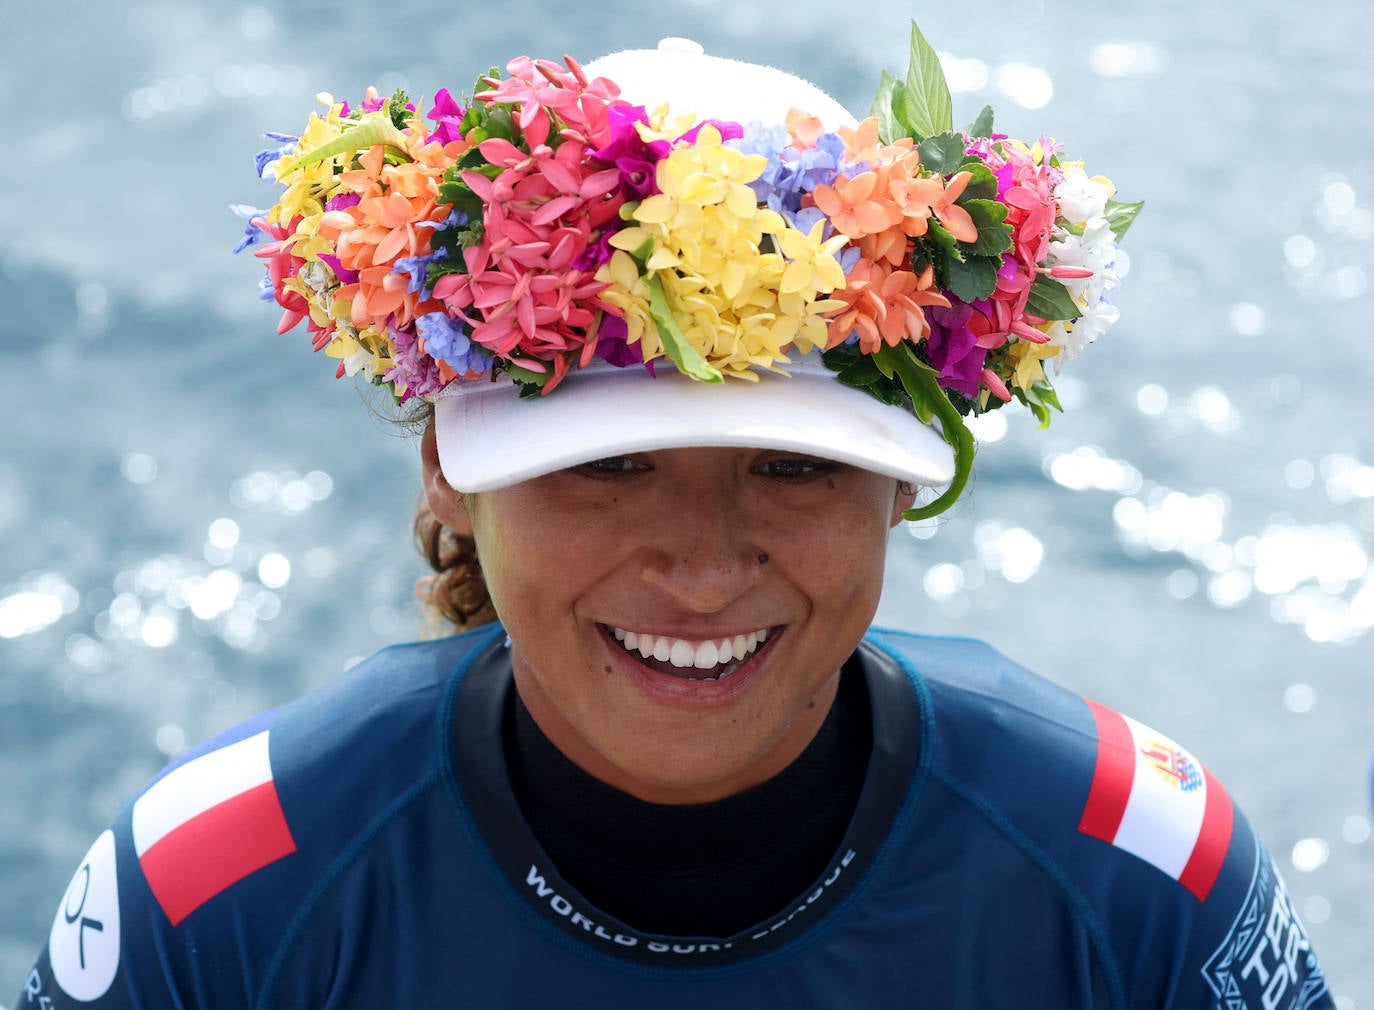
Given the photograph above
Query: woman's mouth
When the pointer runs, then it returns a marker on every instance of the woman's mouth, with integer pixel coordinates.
(709, 659)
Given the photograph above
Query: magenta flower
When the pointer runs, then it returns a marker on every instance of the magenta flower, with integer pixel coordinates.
(448, 114)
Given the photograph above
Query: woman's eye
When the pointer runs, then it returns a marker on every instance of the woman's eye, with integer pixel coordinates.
(798, 467)
(612, 465)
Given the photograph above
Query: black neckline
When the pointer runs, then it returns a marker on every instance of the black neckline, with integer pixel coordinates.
(710, 869)
(485, 804)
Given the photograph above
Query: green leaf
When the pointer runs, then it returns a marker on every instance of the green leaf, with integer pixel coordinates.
(1040, 398)
(367, 134)
(889, 105)
(994, 236)
(396, 108)
(942, 152)
(530, 382)
(983, 185)
(937, 248)
(1120, 215)
(929, 109)
(1049, 299)
(974, 278)
(929, 401)
(687, 358)
(982, 126)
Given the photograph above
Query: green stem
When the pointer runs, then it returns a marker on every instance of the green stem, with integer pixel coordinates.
(922, 385)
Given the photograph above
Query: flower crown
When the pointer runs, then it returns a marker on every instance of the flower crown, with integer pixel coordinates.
(547, 223)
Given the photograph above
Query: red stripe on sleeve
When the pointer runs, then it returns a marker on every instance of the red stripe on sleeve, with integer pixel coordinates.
(1112, 776)
(216, 849)
(1213, 841)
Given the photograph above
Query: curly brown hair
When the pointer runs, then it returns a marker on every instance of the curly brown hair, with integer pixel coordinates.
(456, 594)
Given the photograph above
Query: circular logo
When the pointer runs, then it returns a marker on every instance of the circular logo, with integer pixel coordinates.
(83, 946)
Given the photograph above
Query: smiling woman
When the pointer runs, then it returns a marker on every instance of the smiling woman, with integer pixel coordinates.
(684, 365)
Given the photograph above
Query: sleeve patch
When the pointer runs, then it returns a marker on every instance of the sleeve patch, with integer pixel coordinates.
(1152, 798)
(209, 823)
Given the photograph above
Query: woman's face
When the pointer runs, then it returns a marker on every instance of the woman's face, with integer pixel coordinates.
(778, 554)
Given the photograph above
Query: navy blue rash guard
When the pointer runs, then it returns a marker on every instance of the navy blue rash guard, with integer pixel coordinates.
(1014, 845)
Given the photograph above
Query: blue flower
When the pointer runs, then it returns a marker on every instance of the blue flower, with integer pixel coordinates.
(251, 232)
(418, 269)
(447, 340)
(268, 155)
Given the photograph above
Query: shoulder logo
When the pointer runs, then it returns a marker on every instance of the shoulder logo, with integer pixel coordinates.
(1172, 765)
(83, 946)
(208, 823)
(1152, 798)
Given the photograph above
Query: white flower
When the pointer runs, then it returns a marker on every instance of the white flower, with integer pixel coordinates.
(1095, 321)
(1094, 250)
(1079, 197)
(357, 361)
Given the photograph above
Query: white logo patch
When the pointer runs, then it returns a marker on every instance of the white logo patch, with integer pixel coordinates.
(83, 947)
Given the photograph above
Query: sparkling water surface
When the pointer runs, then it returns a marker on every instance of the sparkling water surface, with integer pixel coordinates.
(198, 522)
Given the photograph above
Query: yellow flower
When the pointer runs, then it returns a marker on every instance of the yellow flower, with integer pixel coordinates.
(742, 283)
(308, 189)
(1029, 358)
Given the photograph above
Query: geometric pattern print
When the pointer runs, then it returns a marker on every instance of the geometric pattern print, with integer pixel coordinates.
(1265, 962)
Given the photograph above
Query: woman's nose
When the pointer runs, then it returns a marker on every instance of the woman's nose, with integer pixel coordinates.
(709, 559)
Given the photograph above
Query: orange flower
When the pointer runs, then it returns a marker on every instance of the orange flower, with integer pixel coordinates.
(884, 306)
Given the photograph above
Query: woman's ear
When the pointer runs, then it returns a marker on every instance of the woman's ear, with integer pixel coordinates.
(446, 503)
(905, 499)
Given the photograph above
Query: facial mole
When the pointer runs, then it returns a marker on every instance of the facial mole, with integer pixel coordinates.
(763, 558)
(830, 483)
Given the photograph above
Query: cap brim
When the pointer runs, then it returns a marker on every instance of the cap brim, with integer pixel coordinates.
(488, 437)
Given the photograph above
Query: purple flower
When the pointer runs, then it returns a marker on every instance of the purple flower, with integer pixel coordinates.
(345, 275)
(953, 348)
(449, 115)
(635, 160)
(596, 252)
(343, 201)
(613, 347)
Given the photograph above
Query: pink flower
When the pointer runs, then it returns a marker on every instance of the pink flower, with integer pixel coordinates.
(528, 293)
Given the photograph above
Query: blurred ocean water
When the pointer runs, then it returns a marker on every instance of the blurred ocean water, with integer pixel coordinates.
(197, 522)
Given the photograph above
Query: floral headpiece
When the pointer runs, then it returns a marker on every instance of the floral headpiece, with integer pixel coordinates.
(547, 223)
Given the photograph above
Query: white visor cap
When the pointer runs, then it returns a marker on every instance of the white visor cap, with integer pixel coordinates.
(490, 437)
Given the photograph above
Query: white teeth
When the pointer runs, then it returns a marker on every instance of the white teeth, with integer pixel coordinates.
(707, 656)
(683, 653)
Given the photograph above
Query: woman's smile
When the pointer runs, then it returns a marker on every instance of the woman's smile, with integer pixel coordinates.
(679, 617)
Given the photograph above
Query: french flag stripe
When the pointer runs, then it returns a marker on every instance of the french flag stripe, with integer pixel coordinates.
(215, 850)
(198, 785)
(1155, 800)
(209, 823)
